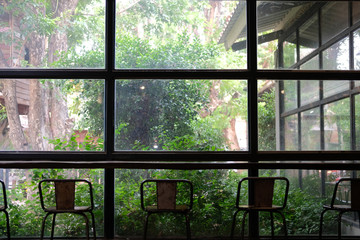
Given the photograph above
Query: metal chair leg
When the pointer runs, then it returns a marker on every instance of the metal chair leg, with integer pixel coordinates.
(188, 231)
(284, 224)
(87, 225)
(233, 224)
(272, 224)
(339, 225)
(93, 224)
(7, 224)
(146, 225)
(53, 226)
(43, 226)
(321, 223)
(243, 225)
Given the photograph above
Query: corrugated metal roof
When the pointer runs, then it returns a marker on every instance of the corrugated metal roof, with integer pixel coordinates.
(270, 15)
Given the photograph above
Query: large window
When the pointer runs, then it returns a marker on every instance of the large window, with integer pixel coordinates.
(119, 91)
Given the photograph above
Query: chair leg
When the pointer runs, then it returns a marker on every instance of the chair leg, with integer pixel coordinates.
(93, 224)
(7, 224)
(87, 225)
(243, 225)
(146, 225)
(272, 224)
(43, 226)
(321, 223)
(188, 230)
(53, 226)
(233, 224)
(284, 224)
(339, 224)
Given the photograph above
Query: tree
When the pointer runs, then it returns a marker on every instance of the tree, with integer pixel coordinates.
(43, 27)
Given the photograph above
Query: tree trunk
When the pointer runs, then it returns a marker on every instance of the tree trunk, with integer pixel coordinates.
(16, 133)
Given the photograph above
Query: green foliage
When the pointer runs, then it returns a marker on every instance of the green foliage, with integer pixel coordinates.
(89, 144)
(25, 211)
(266, 121)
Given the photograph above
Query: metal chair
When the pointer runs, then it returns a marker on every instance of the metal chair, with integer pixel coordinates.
(346, 198)
(64, 191)
(166, 194)
(262, 201)
(3, 208)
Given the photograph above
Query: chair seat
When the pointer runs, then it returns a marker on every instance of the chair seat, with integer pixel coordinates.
(252, 207)
(178, 208)
(341, 207)
(75, 210)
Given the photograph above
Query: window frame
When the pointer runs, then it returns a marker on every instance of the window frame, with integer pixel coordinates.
(252, 160)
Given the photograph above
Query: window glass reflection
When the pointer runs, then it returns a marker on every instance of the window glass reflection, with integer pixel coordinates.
(310, 129)
(309, 36)
(337, 125)
(309, 91)
(333, 87)
(291, 133)
(290, 94)
(336, 57)
(334, 19)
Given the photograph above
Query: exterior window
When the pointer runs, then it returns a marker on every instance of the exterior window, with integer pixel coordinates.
(337, 56)
(52, 115)
(309, 36)
(178, 35)
(310, 129)
(334, 18)
(143, 87)
(60, 36)
(26, 213)
(181, 115)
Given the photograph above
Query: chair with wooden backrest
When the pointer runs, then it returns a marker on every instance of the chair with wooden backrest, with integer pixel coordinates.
(350, 202)
(262, 200)
(3, 208)
(64, 190)
(166, 195)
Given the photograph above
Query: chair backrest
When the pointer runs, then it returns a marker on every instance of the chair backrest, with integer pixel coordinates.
(263, 194)
(64, 193)
(166, 193)
(4, 206)
(347, 191)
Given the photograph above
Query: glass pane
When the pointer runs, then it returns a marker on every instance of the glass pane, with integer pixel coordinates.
(180, 115)
(210, 186)
(317, 187)
(290, 56)
(336, 57)
(46, 35)
(334, 19)
(310, 129)
(337, 125)
(309, 36)
(312, 64)
(357, 121)
(180, 34)
(267, 61)
(26, 213)
(52, 115)
(290, 94)
(291, 133)
(309, 91)
(333, 87)
(266, 115)
(357, 50)
(356, 11)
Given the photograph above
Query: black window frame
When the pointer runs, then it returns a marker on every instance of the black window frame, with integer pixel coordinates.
(252, 160)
